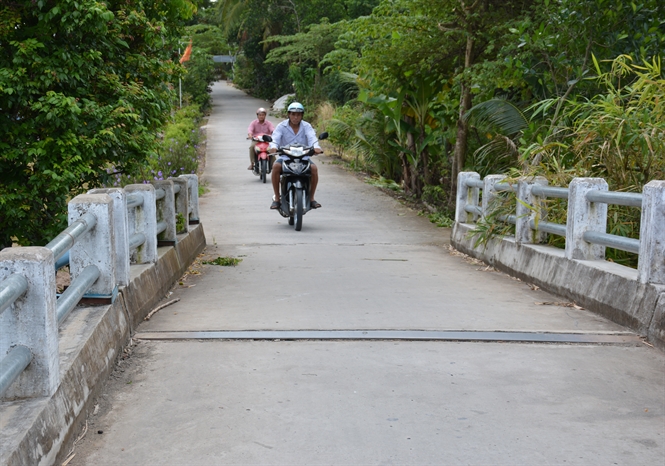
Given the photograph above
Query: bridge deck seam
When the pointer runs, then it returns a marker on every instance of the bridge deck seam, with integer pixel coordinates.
(404, 335)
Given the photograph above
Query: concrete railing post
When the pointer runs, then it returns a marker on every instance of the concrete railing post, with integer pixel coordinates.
(181, 205)
(31, 321)
(166, 213)
(193, 183)
(524, 214)
(651, 265)
(97, 247)
(466, 196)
(585, 216)
(489, 194)
(143, 220)
(120, 232)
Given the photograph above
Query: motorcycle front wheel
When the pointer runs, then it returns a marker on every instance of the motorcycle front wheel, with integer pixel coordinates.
(264, 169)
(291, 206)
(300, 200)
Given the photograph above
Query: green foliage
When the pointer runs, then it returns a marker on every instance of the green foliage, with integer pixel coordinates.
(196, 84)
(617, 134)
(178, 152)
(435, 196)
(253, 25)
(224, 261)
(360, 131)
(493, 225)
(83, 84)
(384, 183)
(441, 220)
(180, 223)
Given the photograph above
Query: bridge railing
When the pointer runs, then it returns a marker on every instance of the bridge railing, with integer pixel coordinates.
(585, 230)
(109, 229)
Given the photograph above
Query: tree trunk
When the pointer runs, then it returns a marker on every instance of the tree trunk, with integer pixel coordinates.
(462, 125)
(424, 156)
(406, 173)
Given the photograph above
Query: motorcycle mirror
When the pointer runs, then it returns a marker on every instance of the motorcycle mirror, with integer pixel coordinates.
(323, 135)
(267, 138)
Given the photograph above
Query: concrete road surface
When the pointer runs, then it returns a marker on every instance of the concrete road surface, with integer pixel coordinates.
(363, 262)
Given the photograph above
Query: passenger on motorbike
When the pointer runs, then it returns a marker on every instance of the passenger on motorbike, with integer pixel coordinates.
(294, 131)
(256, 128)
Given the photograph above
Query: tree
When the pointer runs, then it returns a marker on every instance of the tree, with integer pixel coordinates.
(83, 85)
(253, 23)
(429, 48)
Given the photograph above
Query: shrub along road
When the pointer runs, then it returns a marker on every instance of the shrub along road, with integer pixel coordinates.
(362, 262)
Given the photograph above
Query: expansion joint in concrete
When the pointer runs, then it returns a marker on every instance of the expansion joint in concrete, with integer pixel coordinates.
(396, 335)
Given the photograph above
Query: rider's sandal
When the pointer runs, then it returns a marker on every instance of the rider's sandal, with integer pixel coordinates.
(313, 204)
(275, 205)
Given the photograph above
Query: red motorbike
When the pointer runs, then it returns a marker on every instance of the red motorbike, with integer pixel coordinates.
(263, 164)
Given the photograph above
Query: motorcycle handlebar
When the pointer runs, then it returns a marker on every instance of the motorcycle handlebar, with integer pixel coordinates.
(309, 151)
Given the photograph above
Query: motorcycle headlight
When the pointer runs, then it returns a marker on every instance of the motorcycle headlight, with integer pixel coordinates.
(294, 151)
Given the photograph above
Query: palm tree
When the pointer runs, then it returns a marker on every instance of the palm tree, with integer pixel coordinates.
(503, 124)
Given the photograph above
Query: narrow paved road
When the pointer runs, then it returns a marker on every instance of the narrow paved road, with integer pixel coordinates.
(362, 262)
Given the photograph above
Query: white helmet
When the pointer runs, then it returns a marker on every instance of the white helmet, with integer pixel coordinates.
(296, 107)
(261, 110)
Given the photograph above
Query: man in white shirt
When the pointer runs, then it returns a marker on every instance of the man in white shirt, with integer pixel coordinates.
(294, 131)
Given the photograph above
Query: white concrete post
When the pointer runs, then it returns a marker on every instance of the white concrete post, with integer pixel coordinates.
(489, 194)
(97, 247)
(31, 321)
(466, 196)
(120, 232)
(166, 213)
(585, 216)
(523, 231)
(143, 220)
(651, 264)
(181, 205)
(193, 183)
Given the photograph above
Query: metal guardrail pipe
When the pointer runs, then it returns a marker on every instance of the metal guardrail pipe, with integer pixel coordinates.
(73, 294)
(613, 241)
(63, 261)
(615, 198)
(472, 209)
(509, 219)
(11, 288)
(475, 184)
(134, 200)
(136, 240)
(498, 187)
(160, 194)
(161, 226)
(549, 191)
(549, 227)
(65, 240)
(12, 365)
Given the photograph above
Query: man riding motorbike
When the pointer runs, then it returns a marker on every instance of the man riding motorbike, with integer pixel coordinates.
(294, 131)
(258, 127)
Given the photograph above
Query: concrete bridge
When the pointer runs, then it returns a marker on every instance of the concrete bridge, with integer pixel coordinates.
(363, 339)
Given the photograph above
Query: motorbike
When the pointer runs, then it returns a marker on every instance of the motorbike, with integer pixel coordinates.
(263, 164)
(294, 182)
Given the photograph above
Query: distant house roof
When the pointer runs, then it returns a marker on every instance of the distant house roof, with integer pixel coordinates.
(223, 58)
